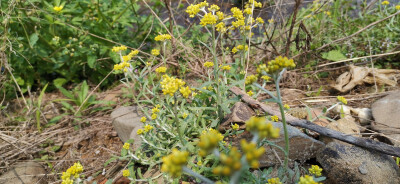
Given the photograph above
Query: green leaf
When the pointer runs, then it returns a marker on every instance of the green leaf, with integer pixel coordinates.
(110, 160)
(59, 82)
(33, 39)
(124, 152)
(333, 55)
(55, 148)
(65, 92)
(91, 60)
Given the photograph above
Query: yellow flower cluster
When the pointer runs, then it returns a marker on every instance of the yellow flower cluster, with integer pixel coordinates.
(226, 67)
(208, 141)
(342, 99)
(250, 93)
(58, 8)
(126, 173)
(286, 106)
(73, 171)
(193, 10)
(259, 20)
(252, 153)
(259, 125)
(261, 68)
(230, 163)
(170, 85)
(130, 55)
(143, 119)
(161, 69)
(154, 112)
(307, 180)
(315, 170)
(240, 47)
(279, 63)
(220, 27)
(155, 52)
(147, 128)
(384, 3)
(275, 118)
(237, 13)
(274, 181)
(266, 77)
(256, 4)
(117, 49)
(208, 64)
(213, 8)
(397, 7)
(185, 91)
(126, 146)
(185, 115)
(235, 127)
(140, 131)
(208, 18)
(174, 162)
(162, 37)
(122, 66)
(250, 79)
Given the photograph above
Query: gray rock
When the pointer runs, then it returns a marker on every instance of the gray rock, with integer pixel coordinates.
(240, 113)
(354, 165)
(386, 112)
(345, 125)
(126, 121)
(302, 147)
(24, 173)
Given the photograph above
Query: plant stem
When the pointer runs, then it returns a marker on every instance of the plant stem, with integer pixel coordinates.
(178, 127)
(285, 131)
(201, 177)
(214, 53)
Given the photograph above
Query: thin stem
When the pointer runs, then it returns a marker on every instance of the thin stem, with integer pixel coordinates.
(201, 177)
(214, 53)
(284, 124)
(178, 127)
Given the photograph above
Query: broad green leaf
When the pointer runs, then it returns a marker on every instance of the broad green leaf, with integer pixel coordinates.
(91, 60)
(333, 55)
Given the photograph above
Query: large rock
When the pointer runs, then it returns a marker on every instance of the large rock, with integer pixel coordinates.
(386, 112)
(126, 121)
(240, 113)
(302, 147)
(24, 173)
(351, 164)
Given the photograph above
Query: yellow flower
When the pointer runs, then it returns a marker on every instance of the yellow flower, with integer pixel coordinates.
(259, 125)
(220, 27)
(126, 146)
(385, 3)
(226, 67)
(139, 132)
(154, 116)
(133, 53)
(58, 8)
(237, 13)
(163, 37)
(147, 128)
(260, 20)
(230, 163)
(126, 173)
(342, 99)
(155, 109)
(120, 48)
(271, 21)
(213, 8)
(193, 10)
(208, 64)
(238, 23)
(185, 91)
(252, 153)
(274, 181)
(68, 176)
(184, 115)
(143, 119)
(208, 18)
(279, 63)
(234, 50)
(173, 163)
(397, 7)
(155, 52)
(327, 13)
(275, 118)
(235, 127)
(161, 69)
(199, 163)
(170, 85)
(247, 11)
(250, 93)
(126, 58)
(208, 141)
(266, 77)
(250, 79)
(286, 106)
(307, 180)
(220, 15)
(315, 170)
